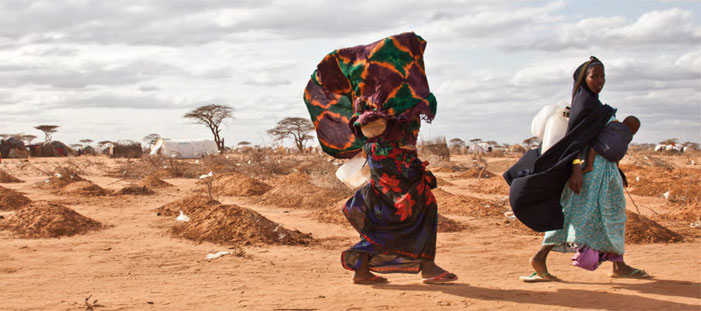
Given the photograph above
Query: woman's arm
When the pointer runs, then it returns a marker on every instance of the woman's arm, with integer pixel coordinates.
(576, 176)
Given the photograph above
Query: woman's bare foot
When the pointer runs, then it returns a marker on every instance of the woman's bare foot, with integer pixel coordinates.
(362, 273)
(538, 260)
(621, 269)
(432, 273)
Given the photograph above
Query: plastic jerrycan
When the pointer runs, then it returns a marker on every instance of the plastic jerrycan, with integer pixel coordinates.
(555, 128)
(355, 172)
(540, 119)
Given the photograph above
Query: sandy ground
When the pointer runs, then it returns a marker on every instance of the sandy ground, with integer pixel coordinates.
(135, 264)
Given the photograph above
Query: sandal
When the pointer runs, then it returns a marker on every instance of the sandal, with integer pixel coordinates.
(444, 277)
(375, 279)
(535, 277)
(635, 274)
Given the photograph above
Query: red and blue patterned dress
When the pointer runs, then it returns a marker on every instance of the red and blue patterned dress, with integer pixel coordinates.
(395, 213)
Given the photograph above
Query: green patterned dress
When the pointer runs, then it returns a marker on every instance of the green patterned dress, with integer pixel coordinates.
(596, 217)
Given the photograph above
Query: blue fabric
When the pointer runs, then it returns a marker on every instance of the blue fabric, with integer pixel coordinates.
(612, 142)
(597, 216)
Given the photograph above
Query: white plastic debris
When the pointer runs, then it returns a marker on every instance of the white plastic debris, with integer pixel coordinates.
(227, 157)
(216, 255)
(182, 217)
(206, 175)
(666, 195)
(637, 178)
(58, 175)
(197, 161)
(510, 215)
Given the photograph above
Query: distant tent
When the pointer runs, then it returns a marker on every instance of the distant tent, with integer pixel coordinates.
(184, 149)
(87, 150)
(13, 148)
(126, 149)
(52, 148)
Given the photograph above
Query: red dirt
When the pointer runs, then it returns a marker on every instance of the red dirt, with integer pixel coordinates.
(234, 184)
(297, 191)
(6, 178)
(44, 219)
(153, 182)
(640, 229)
(232, 224)
(11, 200)
(465, 205)
(188, 205)
(83, 188)
(474, 172)
(136, 190)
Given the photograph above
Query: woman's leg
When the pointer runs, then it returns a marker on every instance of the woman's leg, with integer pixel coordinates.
(363, 274)
(538, 260)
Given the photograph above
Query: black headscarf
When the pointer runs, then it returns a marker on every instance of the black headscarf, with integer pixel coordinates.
(537, 180)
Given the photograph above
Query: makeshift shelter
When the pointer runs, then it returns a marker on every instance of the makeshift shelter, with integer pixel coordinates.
(126, 149)
(52, 148)
(184, 149)
(13, 148)
(87, 150)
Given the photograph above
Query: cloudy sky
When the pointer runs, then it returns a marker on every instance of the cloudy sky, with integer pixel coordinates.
(108, 70)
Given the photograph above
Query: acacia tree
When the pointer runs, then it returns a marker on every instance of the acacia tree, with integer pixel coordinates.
(212, 116)
(670, 141)
(28, 138)
(86, 141)
(457, 142)
(47, 129)
(151, 139)
(296, 128)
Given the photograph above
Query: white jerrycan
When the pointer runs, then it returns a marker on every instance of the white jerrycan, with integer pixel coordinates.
(540, 119)
(355, 172)
(555, 129)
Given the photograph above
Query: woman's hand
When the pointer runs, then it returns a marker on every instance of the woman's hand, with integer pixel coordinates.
(576, 178)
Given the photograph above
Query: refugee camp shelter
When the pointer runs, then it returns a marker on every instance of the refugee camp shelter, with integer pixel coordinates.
(125, 149)
(52, 148)
(184, 149)
(13, 148)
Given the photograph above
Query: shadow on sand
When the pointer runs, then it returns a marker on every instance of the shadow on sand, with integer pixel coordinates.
(574, 298)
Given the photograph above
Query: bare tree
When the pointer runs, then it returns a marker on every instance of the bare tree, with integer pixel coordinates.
(691, 145)
(296, 128)
(244, 143)
(86, 141)
(457, 142)
(530, 141)
(47, 129)
(28, 138)
(212, 116)
(151, 139)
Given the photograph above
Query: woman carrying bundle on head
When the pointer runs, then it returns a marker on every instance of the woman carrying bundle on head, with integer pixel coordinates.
(370, 99)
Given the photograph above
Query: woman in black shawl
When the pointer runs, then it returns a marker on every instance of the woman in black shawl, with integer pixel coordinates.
(587, 216)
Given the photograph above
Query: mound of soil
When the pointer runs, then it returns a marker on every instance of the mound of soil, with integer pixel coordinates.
(686, 214)
(640, 229)
(83, 188)
(6, 178)
(136, 190)
(57, 181)
(11, 200)
(189, 205)
(474, 172)
(232, 224)
(491, 186)
(443, 183)
(48, 220)
(153, 182)
(297, 191)
(446, 224)
(449, 203)
(331, 214)
(235, 184)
